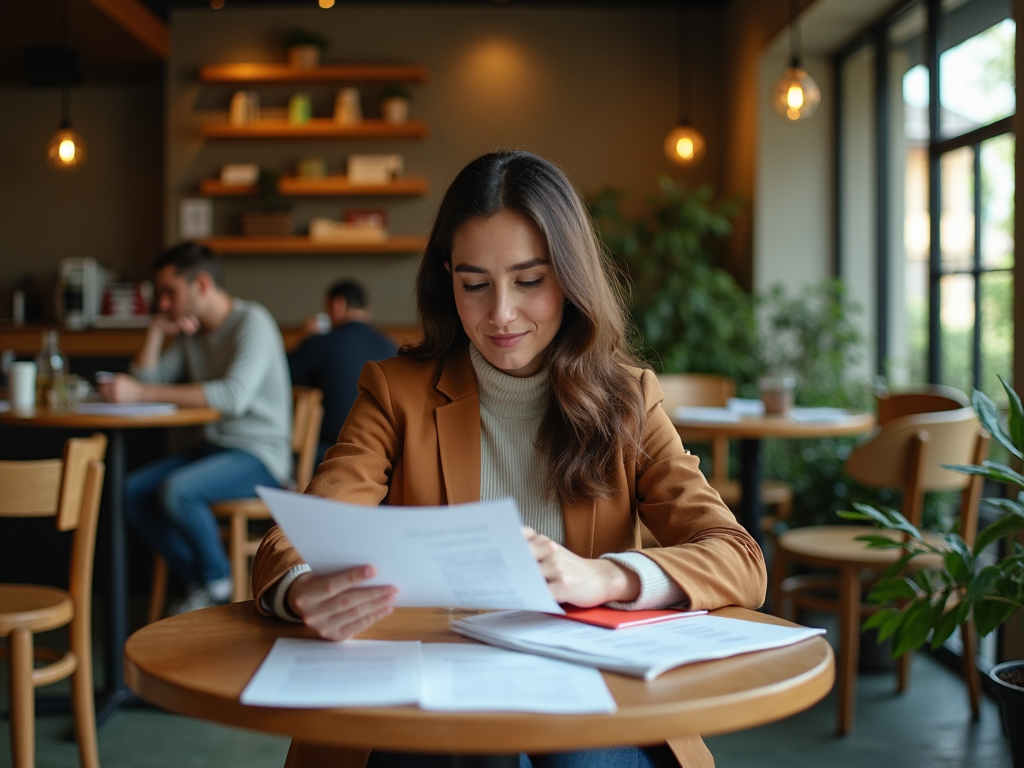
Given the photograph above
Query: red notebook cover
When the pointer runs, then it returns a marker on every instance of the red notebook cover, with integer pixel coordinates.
(612, 618)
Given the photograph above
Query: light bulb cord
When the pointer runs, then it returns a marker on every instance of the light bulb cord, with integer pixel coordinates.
(65, 89)
(684, 59)
(794, 34)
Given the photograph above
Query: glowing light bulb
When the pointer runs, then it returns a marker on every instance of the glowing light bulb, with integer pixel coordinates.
(66, 150)
(326, 3)
(796, 96)
(685, 145)
(216, 4)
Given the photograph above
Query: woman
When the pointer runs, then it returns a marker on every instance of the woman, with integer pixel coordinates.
(523, 386)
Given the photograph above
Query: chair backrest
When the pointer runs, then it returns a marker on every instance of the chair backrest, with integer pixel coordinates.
(907, 452)
(697, 389)
(931, 399)
(704, 390)
(67, 489)
(306, 418)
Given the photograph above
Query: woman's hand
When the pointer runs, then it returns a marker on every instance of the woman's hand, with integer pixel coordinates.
(336, 606)
(577, 580)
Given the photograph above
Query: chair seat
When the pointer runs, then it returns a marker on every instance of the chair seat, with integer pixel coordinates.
(830, 544)
(253, 508)
(32, 607)
(772, 491)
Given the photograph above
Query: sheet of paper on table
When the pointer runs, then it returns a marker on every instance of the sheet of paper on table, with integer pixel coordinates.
(462, 556)
(645, 651)
(126, 409)
(710, 415)
(437, 676)
(818, 415)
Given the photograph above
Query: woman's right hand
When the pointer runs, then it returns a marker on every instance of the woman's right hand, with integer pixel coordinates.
(336, 606)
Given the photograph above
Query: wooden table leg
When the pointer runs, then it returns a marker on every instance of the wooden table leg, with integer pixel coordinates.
(849, 646)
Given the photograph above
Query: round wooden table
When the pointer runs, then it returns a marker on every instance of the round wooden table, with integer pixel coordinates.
(198, 663)
(750, 430)
(114, 518)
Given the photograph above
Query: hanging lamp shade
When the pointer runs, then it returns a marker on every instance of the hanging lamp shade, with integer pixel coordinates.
(685, 145)
(796, 96)
(66, 149)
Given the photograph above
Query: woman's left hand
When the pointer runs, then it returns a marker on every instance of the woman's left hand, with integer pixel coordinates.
(578, 580)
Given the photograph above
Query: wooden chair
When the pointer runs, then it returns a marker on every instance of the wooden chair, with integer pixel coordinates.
(307, 416)
(904, 453)
(68, 489)
(707, 390)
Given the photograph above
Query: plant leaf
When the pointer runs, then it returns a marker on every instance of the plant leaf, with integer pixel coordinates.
(880, 618)
(892, 589)
(950, 621)
(1000, 528)
(988, 414)
(1016, 420)
(922, 616)
(989, 614)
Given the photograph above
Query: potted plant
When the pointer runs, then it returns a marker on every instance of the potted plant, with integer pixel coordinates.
(395, 103)
(935, 601)
(304, 48)
(273, 218)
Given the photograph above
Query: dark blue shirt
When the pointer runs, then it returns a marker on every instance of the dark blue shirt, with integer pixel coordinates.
(332, 363)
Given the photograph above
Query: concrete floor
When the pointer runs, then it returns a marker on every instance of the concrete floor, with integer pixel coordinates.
(929, 726)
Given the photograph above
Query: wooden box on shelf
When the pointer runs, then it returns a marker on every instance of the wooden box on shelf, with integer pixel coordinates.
(266, 223)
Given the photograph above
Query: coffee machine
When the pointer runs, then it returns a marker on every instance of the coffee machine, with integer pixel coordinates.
(80, 286)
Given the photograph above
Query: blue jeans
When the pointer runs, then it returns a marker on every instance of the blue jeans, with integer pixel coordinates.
(614, 757)
(168, 503)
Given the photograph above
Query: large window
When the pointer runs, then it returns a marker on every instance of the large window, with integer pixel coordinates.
(941, 95)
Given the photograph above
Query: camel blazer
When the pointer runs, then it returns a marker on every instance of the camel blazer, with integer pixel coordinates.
(413, 438)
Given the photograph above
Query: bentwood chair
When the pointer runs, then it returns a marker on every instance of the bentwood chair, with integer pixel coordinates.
(905, 453)
(307, 415)
(708, 390)
(69, 490)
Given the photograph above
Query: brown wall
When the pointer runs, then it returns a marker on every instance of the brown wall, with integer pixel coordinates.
(593, 90)
(111, 209)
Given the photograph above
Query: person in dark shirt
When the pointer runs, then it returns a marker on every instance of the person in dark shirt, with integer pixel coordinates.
(332, 361)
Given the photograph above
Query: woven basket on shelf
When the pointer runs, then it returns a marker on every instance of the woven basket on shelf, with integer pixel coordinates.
(266, 223)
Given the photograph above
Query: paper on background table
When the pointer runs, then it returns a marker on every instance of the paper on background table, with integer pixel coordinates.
(464, 555)
(811, 415)
(646, 651)
(317, 673)
(746, 406)
(710, 415)
(126, 409)
(480, 678)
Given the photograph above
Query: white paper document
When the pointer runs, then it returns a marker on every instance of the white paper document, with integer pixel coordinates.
(701, 413)
(479, 678)
(818, 415)
(356, 673)
(450, 677)
(645, 651)
(126, 409)
(464, 555)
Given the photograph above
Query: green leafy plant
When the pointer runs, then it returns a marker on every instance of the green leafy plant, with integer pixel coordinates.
(305, 37)
(690, 315)
(938, 600)
(396, 91)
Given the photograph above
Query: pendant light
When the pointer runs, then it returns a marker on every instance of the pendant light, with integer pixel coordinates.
(795, 96)
(684, 144)
(66, 149)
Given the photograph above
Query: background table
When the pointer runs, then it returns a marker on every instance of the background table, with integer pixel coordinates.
(198, 663)
(750, 430)
(114, 517)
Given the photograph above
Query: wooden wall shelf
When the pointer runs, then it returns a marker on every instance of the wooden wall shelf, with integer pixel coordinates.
(329, 186)
(402, 244)
(318, 128)
(329, 73)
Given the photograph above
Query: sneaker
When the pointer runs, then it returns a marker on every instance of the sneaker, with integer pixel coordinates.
(194, 599)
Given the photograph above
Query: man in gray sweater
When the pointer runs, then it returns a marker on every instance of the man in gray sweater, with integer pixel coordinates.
(227, 354)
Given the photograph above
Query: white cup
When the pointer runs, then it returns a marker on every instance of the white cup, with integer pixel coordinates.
(23, 386)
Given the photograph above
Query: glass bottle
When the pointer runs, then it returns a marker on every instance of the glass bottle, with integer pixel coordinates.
(51, 373)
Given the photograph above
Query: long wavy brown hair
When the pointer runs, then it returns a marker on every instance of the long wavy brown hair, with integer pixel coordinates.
(595, 414)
